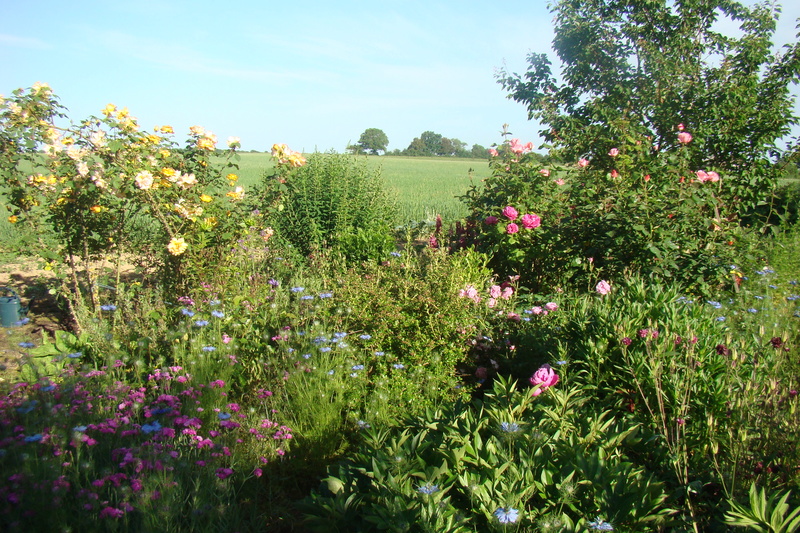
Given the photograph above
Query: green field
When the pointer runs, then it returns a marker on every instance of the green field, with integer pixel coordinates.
(423, 186)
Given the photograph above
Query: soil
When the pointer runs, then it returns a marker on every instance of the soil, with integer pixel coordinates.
(32, 285)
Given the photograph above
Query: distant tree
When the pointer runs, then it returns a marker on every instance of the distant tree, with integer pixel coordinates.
(478, 151)
(446, 147)
(432, 142)
(371, 142)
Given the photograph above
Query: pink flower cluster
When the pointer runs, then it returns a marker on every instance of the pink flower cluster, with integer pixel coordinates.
(549, 307)
(529, 220)
(503, 292)
(703, 176)
(518, 148)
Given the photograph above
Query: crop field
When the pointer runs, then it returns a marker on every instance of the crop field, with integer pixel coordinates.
(422, 186)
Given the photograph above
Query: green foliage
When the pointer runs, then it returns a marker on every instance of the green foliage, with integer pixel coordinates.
(371, 141)
(765, 515)
(334, 201)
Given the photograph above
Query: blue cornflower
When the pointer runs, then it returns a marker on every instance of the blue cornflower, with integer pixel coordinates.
(507, 516)
(358, 367)
(757, 297)
(319, 340)
(365, 337)
(772, 286)
(326, 295)
(598, 524)
(380, 353)
(34, 438)
(160, 411)
(395, 254)
(793, 297)
(201, 323)
(26, 345)
(752, 310)
(307, 297)
(715, 305)
(290, 350)
(306, 356)
(108, 307)
(27, 407)
(79, 429)
(428, 489)
(339, 335)
(761, 272)
(47, 388)
(363, 425)
(22, 321)
(399, 366)
(223, 416)
(209, 348)
(217, 314)
(510, 427)
(297, 289)
(720, 319)
(187, 312)
(74, 355)
(325, 349)
(561, 363)
(151, 428)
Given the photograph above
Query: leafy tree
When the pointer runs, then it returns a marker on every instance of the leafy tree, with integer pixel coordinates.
(639, 68)
(479, 152)
(417, 148)
(371, 141)
(432, 142)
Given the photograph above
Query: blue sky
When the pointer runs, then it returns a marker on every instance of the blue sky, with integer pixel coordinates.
(314, 74)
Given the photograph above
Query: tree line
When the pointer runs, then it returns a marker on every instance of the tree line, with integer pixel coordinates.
(374, 141)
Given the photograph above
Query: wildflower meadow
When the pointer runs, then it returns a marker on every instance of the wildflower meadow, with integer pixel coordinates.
(602, 343)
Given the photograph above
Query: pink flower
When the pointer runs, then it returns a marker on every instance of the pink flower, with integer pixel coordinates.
(493, 152)
(680, 126)
(510, 213)
(531, 221)
(614, 173)
(603, 288)
(518, 148)
(713, 176)
(507, 293)
(490, 221)
(544, 377)
(559, 181)
(545, 172)
(224, 473)
(481, 372)
(551, 306)
(226, 339)
(258, 472)
(536, 310)
(684, 137)
(626, 341)
(494, 291)
(583, 162)
(491, 302)
(512, 228)
(614, 152)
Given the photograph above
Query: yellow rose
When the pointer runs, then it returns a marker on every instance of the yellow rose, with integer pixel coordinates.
(168, 172)
(232, 178)
(13, 219)
(109, 109)
(163, 153)
(177, 246)
(166, 129)
(205, 143)
(205, 198)
(96, 209)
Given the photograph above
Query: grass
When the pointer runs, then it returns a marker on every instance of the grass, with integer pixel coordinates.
(423, 186)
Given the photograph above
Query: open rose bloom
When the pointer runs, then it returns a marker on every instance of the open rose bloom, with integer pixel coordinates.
(544, 377)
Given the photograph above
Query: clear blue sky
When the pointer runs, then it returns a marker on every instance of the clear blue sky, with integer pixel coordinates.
(312, 74)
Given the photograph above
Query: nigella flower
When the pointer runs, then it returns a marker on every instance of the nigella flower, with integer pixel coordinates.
(151, 428)
(506, 516)
(720, 319)
(363, 425)
(214, 302)
(217, 314)
(325, 349)
(395, 254)
(598, 524)
(298, 289)
(209, 348)
(22, 321)
(223, 416)
(510, 427)
(365, 337)
(715, 305)
(792, 298)
(428, 489)
(201, 323)
(326, 295)
(358, 367)
(307, 297)
(306, 356)
(339, 335)
(752, 310)
(34, 438)
(330, 372)
(108, 307)
(74, 355)
(398, 366)
(79, 429)
(26, 345)
(187, 312)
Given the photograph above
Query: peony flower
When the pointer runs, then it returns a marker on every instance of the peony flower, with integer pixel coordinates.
(544, 377)
(510, 213)
(684, 137)
(614, 152)
(512, 228)
(177, 246)
(603, 288)
(531, 221)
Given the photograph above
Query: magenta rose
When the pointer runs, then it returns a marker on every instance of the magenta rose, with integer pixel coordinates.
(531, 221)
(490, 220)
(512, 228)
(544, 377)
(510, 213)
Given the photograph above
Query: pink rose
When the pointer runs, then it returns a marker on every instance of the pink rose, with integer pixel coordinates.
(680, 127)
(583, 162)
(614, 173)
(512, 228)
(491, 302)
(490, 220)
(493, 152)
(518, 148)
(507, 293)
(603, 288)
(614, 152)
(551, 306)
(536, 310)
(494, 291)
(684, 137)
(545, 172)
(559, 181)
(510, 213)
(544, 377)
(713, 176)
(531, 221)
